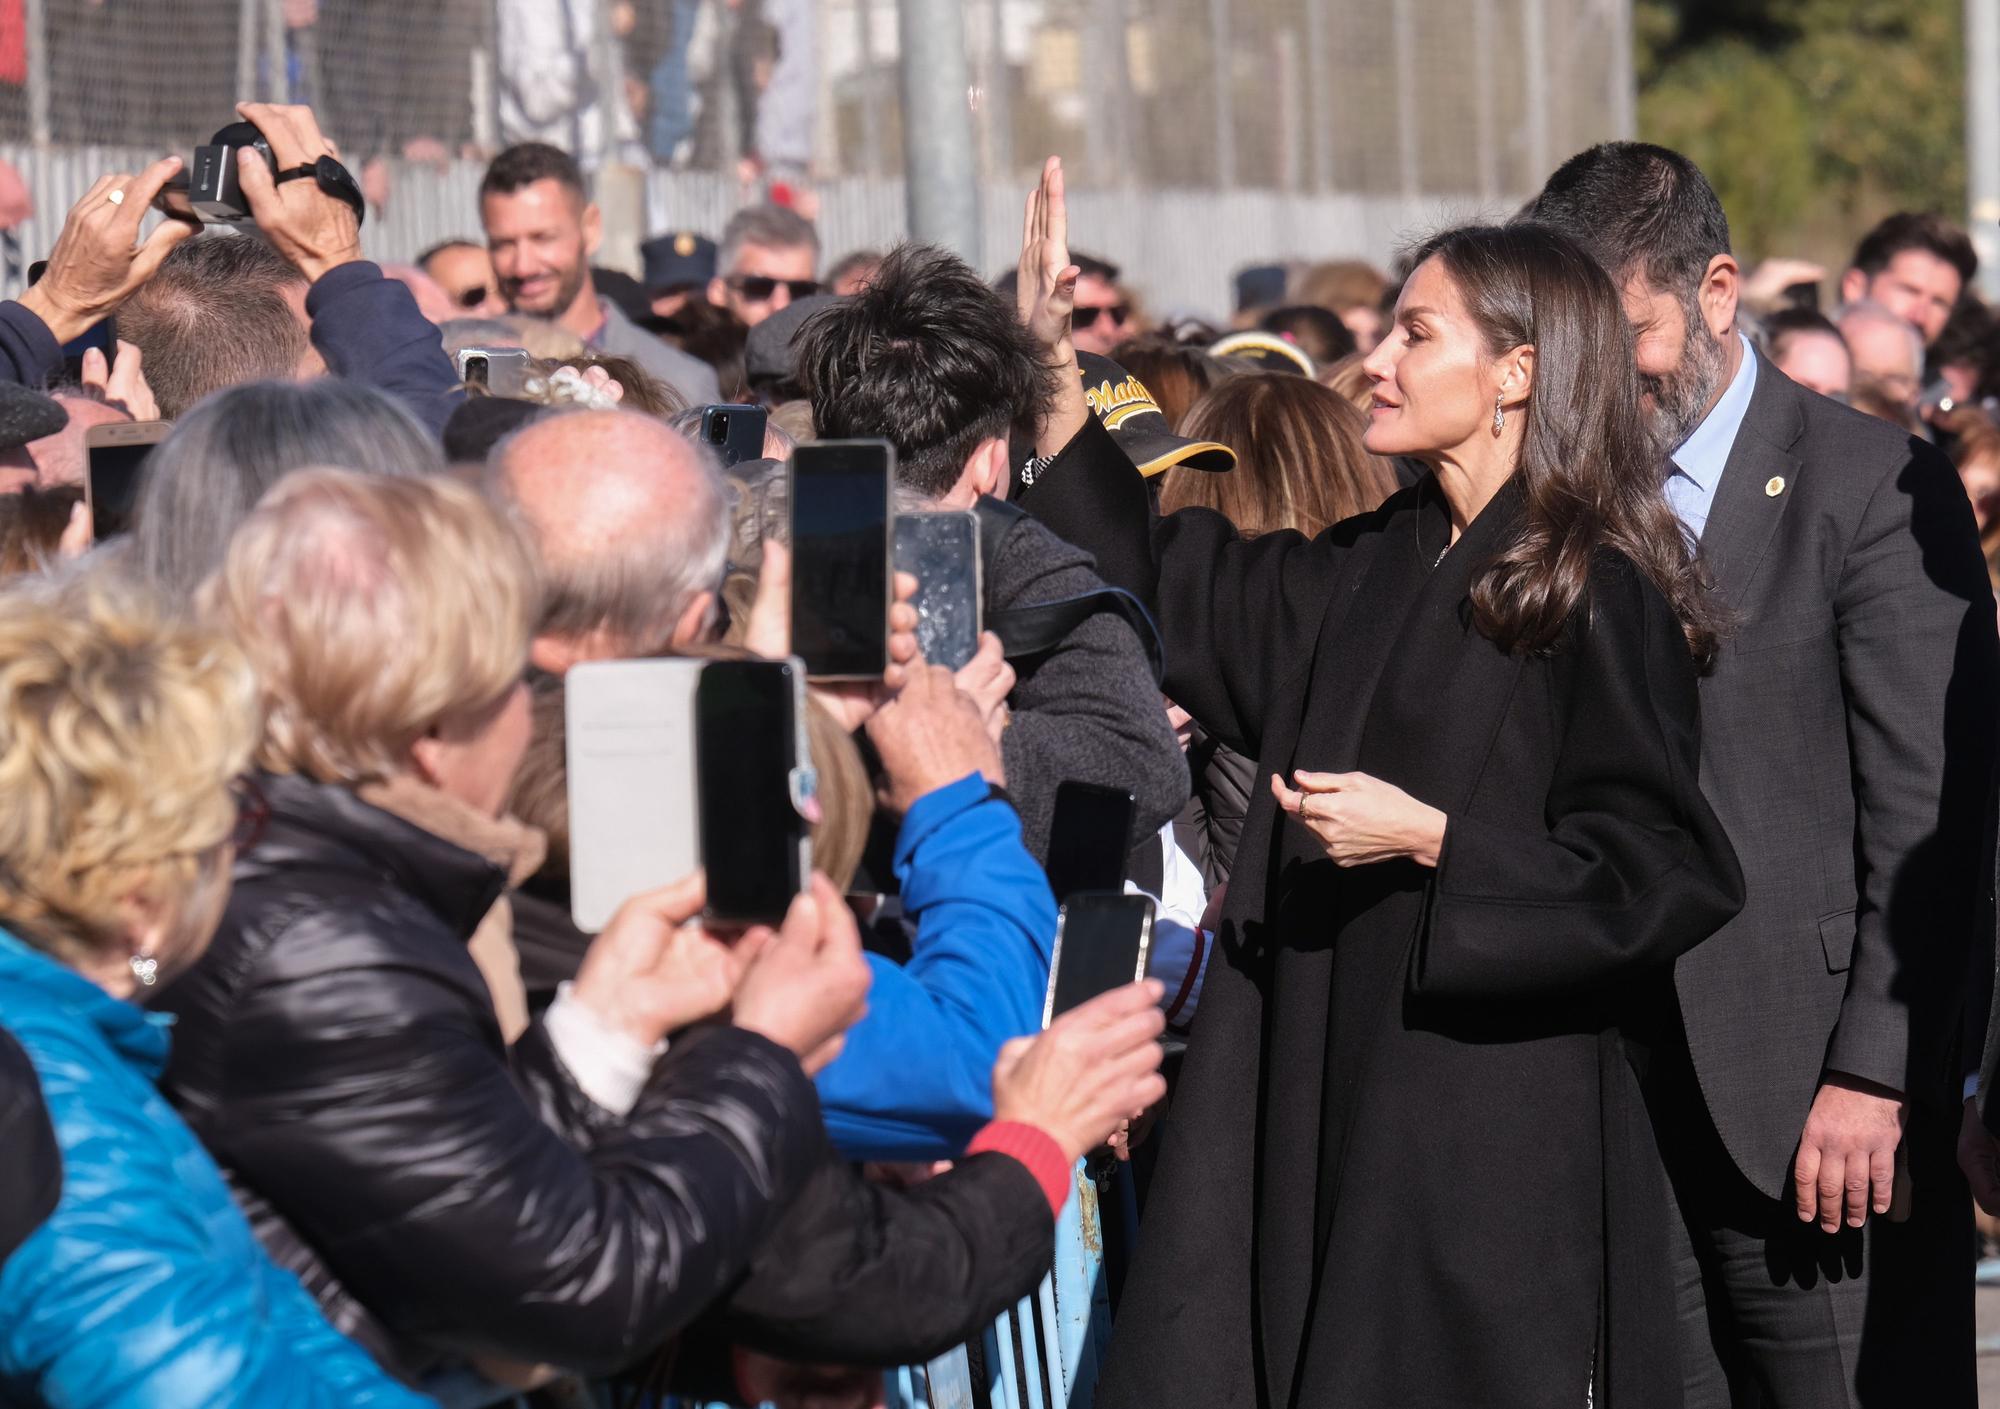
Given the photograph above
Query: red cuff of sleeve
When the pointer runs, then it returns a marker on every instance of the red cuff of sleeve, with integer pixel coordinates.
(1035, 1149)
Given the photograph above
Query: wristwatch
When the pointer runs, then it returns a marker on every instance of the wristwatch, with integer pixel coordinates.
(334, 179)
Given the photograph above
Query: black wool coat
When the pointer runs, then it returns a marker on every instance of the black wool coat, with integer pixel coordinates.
(1408, 1163)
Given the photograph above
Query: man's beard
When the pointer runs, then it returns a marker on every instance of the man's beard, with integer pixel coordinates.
(1681, 398)
(568, 284)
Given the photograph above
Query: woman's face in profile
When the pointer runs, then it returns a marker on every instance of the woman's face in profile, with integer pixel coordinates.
(1429, 374)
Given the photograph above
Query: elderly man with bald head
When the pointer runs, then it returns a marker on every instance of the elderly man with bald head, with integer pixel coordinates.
(631, 521)
(1888, 353)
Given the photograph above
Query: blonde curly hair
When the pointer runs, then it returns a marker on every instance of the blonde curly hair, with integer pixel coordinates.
(122, 727)
(373, 610)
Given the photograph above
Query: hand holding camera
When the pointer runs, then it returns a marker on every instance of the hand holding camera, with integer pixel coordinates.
(98, 261)
(303, 200)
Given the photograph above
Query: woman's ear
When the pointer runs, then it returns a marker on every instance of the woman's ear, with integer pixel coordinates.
(1517, 375)
(427, 758)
(144, 918)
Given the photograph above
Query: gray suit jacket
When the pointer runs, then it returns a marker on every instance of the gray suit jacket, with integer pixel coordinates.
(693, 378)
(1847, 745)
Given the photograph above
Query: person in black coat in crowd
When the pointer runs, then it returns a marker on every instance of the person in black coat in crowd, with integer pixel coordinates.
(1409, 1162)
(579, 1199)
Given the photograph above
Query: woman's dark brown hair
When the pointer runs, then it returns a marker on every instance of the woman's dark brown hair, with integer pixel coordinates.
(1176, 374)
(1590, 475)
(1299, 461)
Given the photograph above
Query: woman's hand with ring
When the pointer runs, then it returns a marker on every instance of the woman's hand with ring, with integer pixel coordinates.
(1360, 820)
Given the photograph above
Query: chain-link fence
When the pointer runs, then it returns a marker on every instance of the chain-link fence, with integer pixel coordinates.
(1196, 131)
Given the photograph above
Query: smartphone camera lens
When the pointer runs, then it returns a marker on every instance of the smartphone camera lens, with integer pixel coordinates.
(720, 422)
(476, 371)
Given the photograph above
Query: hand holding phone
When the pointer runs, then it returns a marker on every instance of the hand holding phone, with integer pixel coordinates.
(841, 557)
(930, 734)
(1096, 1067)
(1103, 940)
(116, 465)
(941, 550)
(653, 971)
(501, 370)
(806, 983)
(754, 777)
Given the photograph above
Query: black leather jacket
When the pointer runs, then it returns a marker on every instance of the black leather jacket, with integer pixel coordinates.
(337, 1051)
(30, 1164)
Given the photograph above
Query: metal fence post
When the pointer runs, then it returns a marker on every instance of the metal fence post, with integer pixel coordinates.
(943, 192)
(36, 17)
(1982, 135)
(278, 77)
(1222, 54)
(1409, 170)
(1535, 87)
(249, 23)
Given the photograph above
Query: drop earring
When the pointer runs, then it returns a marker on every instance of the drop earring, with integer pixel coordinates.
(145, 968)
(1499, 418)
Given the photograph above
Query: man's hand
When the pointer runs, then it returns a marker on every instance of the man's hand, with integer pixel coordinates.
(1361, 820)
(989, 680)
(1847, 1155)
(931, 734)
(1095, 1068)
(1046, 297)
(316, 232)
(805, 985)
(655, 969)
(98, 263)
(123, 383)
(1979, 1157)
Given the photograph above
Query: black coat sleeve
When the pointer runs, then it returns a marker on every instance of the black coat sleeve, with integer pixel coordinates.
(367, 327)
(30, 1163)
(862, 1274)
(395, 1139)
(1631, 867)
(1238, 617)
(29, 352)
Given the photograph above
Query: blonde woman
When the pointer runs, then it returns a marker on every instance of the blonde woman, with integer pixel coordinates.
(121, 734)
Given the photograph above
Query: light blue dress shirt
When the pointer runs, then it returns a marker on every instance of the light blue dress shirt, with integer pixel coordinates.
(1699, 462)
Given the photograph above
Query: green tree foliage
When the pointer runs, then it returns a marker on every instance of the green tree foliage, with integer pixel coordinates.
(1812, 117)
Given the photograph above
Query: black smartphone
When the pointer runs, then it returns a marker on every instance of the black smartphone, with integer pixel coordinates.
(1102, 942)
(752, 779)
(941, 550)
(1089, 839)
(736, 432)
(840, 557)
(117, 457)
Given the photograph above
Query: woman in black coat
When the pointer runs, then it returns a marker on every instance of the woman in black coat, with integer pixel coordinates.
(1408, 1163)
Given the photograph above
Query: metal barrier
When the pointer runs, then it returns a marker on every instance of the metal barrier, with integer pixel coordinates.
(1045, 1352)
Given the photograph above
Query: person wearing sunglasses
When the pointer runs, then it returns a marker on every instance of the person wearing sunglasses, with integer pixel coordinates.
(465, 272)
(1103, 316)
(769, 257)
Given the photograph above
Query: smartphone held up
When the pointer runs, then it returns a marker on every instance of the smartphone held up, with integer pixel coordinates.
(117, 456)
(680, 763)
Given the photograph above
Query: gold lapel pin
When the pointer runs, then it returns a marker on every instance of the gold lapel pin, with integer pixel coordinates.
(1774, 486)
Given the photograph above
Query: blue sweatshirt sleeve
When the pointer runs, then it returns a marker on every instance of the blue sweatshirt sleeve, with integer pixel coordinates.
(367, 327)
(29, 352)
(915, 1079)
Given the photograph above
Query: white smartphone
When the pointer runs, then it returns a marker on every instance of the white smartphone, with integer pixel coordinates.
(633, 800)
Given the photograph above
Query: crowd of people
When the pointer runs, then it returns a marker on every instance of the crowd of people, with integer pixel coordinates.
(1586, 646)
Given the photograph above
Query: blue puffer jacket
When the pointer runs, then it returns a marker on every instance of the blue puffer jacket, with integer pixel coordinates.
(914, 1080)
(145, 1288)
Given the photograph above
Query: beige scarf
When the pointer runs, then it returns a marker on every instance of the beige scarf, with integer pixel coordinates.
(505, 842)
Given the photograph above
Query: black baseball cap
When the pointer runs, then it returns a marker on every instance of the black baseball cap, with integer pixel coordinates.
(27, 415)
(1137, 423)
